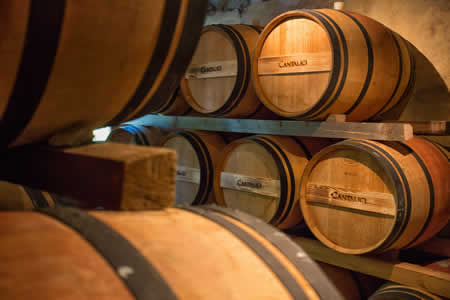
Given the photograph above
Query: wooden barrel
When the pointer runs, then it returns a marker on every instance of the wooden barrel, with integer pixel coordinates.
(191, 253)
(394, 291)
(137, 135)
(80, 64)
(197, 153)
(312, 63)
(260, 175)
(390, 195)
(18, 197)
(176, 106)
(218, 81)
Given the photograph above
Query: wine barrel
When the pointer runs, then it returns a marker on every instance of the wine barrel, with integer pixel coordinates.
(133, 255)
(390, 195)
(18, 197)
(197, 153)
(81, 64)
(309, 64)
(136, 135)
(260, 175)
(176, 106)
(392, 291)
(218, 82)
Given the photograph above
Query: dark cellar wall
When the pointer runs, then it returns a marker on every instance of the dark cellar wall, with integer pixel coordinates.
(424, 23)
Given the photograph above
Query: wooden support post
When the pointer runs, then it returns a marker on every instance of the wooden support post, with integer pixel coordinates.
(404, 273)
(113, 176)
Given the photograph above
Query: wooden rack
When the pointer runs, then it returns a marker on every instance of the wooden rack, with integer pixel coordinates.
(334, 127)
(392, 270)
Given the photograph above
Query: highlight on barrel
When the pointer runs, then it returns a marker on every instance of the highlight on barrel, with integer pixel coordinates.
(18, 197)
(71, 65)
(133, 255)
(176, 106)
(390, 195)
(260, 175)
(137, 135)
(218, 80)
(197, 154)
(395, 291)
(309, 64)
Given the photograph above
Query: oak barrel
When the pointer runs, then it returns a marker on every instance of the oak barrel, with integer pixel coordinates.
(190, 253)
(176, 106)
(137, 135)
(389, 195)
(260, 175)
(70, 65)
(197, 154)
(218, 81)
(392, 291)
(18, 197)
(309, 64)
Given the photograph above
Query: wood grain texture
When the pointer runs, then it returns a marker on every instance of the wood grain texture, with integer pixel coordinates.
(403, 273)
(197, 154)
(176, 106)
(349, 130)
(175, 242)
(390, 195)
(114, 176)
(260, 175)
(364, 69)
(76, 52)
(218, 79)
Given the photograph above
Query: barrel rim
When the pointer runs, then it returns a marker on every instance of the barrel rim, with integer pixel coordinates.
(398, 196)
(335, 51)
(199, 197)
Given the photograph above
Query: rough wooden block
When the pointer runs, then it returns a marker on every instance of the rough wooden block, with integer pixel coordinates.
(114, 176)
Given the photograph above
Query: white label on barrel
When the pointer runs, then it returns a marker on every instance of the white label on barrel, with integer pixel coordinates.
(295, 64)
(256, 185)
(187, 174)
(380, 203)
(213, 69)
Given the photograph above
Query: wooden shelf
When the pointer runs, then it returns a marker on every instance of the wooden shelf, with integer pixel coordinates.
(400, 272)
(334, 128)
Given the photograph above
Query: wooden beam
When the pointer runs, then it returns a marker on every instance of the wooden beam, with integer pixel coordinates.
(438, 128)
(404, 273)
(344, 130)
(113, 176)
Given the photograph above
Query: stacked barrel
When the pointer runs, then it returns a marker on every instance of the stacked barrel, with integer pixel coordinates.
(355, 196)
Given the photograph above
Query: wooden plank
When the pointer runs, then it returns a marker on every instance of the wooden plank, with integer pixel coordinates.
(114, 176)
(213, 69)
(295, 64)
(378, 203)
(344, 130)
(404, 273)
(256, 185)
(437, 128)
